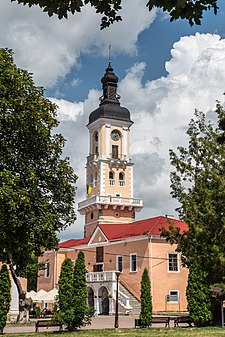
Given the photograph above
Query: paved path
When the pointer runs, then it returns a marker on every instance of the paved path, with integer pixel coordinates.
(99, 322)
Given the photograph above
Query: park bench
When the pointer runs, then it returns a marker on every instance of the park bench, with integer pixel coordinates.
(47, 323)
(155, 319)
(182, 319)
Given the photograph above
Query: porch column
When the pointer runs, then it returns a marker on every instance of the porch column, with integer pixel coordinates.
(96, 305)
(111, 308)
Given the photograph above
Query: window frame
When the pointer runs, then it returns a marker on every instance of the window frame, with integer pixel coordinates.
(133, 271)
(47, 269)
(178, 263)
(118, 264)
(178, 295)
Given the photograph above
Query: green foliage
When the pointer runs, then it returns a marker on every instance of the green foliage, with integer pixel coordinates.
(38, 312)
(146, 300)
(72, 298)
(198, 296)
(80, 290)
(190, 10)
(199, 185)
(36, 184)
(65, 311)
(5, 297)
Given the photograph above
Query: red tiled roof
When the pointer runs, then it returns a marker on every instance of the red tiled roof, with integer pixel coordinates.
(115, 232)
(149, 226)
(74, 242)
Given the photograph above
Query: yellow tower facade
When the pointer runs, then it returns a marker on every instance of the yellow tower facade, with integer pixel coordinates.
(109, 170)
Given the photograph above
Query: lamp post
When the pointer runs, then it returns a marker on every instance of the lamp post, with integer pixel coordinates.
(116, 325)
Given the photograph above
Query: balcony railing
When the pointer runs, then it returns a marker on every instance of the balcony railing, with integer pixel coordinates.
(111, 182)
(101, 276)
(110, 200)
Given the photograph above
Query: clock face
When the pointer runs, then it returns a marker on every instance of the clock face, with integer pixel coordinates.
(115, 135)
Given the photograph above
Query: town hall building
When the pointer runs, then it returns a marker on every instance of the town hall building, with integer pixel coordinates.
(114, 244)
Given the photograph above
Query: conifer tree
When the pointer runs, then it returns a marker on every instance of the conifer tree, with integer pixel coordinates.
(5, 297)
(146, 300)
(80, 291)
(65, 312)
(198, 297)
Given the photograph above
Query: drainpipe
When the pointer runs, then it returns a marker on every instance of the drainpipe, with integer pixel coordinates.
(150, 262)
(54, 278)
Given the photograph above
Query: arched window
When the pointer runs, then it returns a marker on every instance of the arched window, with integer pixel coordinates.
(91, 179)
(111, 178)
(122, 179)
(96, 179)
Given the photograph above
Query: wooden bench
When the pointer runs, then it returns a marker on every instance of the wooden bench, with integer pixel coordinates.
(182, 319)
(161, 319)
(155, 319)
(47, 323)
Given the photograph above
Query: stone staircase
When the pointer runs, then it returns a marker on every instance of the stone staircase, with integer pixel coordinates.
(135, 305)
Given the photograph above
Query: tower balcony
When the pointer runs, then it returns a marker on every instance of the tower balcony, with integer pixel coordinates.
(101, 201)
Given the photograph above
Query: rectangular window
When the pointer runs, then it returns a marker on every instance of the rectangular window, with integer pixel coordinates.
(133, 262)
(119, 263)
(115, 151)
(173, 296)
(47, 269)
(98, 267)
(99, 254)
(173, 262)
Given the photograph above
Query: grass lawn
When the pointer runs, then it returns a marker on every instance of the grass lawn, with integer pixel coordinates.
(151, 332)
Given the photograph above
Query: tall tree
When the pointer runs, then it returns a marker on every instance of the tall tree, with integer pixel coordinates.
(65, 312)
(36, 184)
(198, 296)
(80, 291)
(198, 183)
(146, 300)
(190, 10)
(5, 297)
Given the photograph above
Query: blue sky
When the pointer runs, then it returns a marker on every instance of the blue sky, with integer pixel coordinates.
(166, 70)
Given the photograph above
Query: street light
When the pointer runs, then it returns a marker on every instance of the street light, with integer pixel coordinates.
(116, 325)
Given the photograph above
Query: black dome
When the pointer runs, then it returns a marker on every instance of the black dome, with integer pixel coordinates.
(110, 110)
(109, 106)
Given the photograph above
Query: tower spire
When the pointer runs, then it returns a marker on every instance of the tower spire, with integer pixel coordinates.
(110, 53)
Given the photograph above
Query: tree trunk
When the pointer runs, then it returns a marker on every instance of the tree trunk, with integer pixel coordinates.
(24, 303)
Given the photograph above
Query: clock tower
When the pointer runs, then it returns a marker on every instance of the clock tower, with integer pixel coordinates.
(109, 170)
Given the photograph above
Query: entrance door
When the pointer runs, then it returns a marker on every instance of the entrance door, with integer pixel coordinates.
(104, 301)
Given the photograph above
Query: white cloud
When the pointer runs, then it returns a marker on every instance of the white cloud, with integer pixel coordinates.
(161, 110)
(49, 47)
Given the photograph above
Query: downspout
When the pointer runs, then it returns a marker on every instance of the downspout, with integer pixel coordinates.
(54, 277)
(150, 263)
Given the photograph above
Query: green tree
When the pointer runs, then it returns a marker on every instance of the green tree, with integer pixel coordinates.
(5, 297)
(198, 183)
(190, 10)
(146, 300)
(198, 296)
(80, 291)
(36, 184)
(65, 312)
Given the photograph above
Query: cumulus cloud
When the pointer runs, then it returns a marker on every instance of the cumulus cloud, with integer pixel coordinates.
(161, 110)
(49, 47)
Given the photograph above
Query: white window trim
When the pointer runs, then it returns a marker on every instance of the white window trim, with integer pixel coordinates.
(133, 271)
(117, 263)
(178, 263)
(178, 295)
(47, 269)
